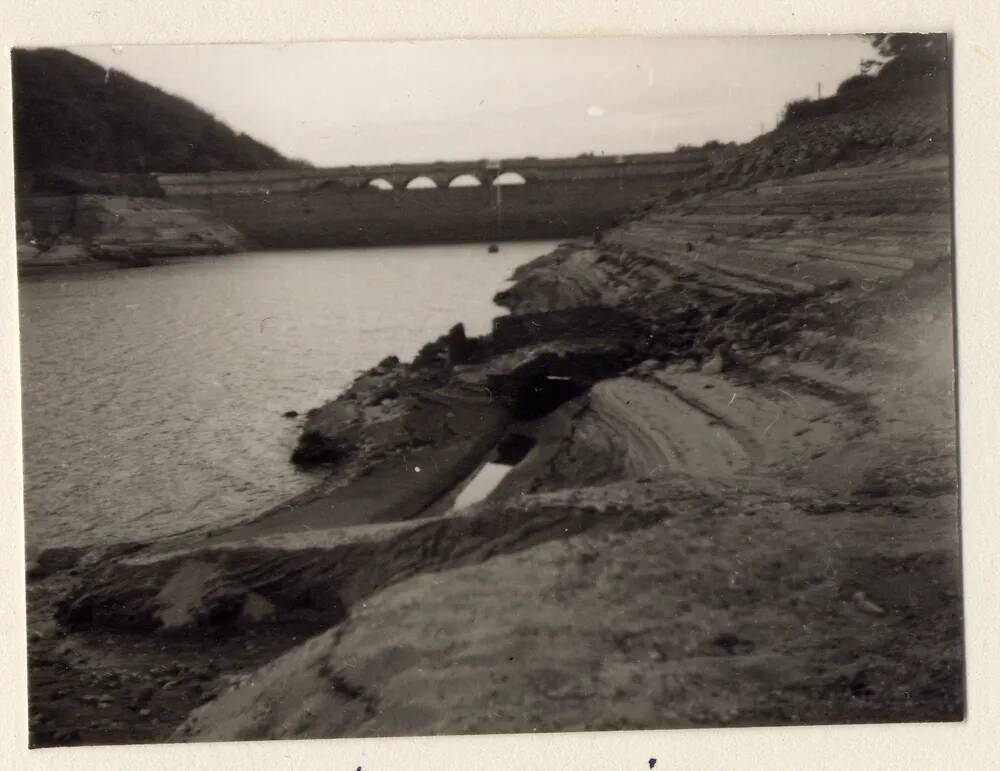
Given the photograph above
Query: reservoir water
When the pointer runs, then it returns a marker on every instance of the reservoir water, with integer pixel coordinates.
(153, 398)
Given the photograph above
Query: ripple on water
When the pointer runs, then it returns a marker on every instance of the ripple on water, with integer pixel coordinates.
(152, 399)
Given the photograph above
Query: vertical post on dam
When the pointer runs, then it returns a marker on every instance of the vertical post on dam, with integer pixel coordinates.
(493, 171)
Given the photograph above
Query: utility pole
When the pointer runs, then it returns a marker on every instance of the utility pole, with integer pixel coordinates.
(819, 90)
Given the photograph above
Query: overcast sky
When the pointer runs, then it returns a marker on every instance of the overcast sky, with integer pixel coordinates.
(354, 103)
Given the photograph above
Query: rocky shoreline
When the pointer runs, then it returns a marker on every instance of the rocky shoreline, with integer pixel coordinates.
(102, 232)
(730, 426)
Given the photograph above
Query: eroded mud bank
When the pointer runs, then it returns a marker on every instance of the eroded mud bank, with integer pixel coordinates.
(734, 502)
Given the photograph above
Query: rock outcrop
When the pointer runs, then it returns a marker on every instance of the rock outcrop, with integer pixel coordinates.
(100, 230)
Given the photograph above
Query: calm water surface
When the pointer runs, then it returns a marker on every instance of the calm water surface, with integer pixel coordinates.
(152, 398)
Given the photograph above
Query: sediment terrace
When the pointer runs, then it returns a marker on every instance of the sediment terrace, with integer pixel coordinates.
(736, 503)
(733, 495)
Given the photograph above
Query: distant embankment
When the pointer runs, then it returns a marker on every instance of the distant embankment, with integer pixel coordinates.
(333, 217)
(94, 230)
(377, 205)
(90, 216)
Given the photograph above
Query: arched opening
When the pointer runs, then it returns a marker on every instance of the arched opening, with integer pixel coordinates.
(509, 178)
(513, 448)
(542, 393)
(380, 184)
(421, 183)
(465, 180)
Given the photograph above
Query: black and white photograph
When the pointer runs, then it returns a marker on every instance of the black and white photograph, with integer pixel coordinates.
(509, 386)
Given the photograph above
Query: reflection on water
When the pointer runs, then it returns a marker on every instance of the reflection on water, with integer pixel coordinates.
(481, 485)
(152, 398)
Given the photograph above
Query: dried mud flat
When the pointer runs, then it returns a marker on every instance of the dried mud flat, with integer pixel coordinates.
(734, 501)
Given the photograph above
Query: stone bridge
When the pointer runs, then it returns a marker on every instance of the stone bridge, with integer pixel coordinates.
(439, 174)
(388, 204)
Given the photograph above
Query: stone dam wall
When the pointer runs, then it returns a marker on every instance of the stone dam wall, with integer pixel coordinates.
(217, 212)
(332, 217)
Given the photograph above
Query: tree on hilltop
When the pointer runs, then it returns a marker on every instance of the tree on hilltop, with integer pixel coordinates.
(908, 54)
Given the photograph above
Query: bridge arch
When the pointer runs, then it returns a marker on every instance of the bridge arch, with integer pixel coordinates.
(509, 178)
(421, 183)
(465, 180)
(379, 183)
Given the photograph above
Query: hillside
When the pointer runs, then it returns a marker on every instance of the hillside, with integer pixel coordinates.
(70, 113)
(879, 117)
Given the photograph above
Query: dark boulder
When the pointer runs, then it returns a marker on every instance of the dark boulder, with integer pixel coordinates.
(317, 449)
(459, 346)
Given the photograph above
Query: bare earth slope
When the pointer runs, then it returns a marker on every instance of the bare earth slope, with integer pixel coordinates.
(738, 505)
(796, 562)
